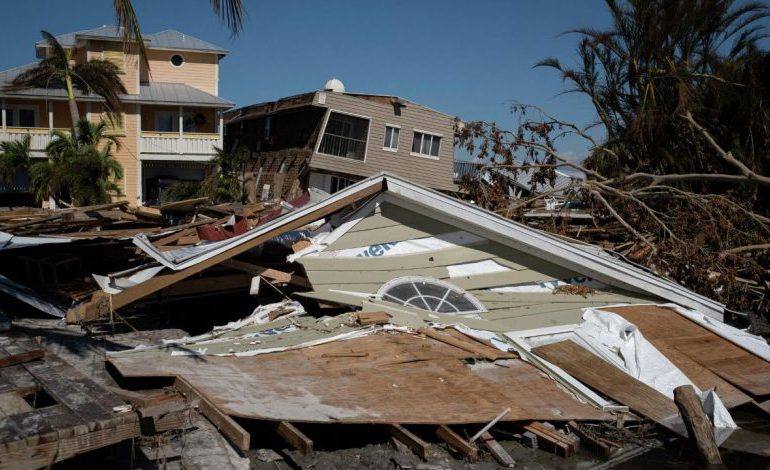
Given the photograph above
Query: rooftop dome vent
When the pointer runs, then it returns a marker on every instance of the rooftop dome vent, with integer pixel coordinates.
(335, 86)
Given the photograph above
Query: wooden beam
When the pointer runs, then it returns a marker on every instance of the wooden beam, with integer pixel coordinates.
(226, 425)
(21, 358)
(373, 318)
(476, 349)
(500, 455)
(589, 440)
(468, 450)
(553, 440)
(256, 270)
(403, 435)
(159, 282)
(699, 428)
(295, 437)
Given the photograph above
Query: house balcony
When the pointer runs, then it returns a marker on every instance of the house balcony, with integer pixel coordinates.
(174, 145)
(39, 138)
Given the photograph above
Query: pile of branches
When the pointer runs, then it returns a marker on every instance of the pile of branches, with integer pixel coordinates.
(714, 243)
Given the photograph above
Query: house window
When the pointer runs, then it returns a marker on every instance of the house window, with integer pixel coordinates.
(391, 138)
(177, 60)
(165, 121)
(345, 136)
(426, 145)
(21, 116)
(339, 183)
(430, 294)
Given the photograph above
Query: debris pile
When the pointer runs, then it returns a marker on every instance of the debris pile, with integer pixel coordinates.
(398, 311)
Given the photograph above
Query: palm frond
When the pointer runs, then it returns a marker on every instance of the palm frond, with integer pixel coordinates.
(231, 12)
(100, 77)
(128, 22)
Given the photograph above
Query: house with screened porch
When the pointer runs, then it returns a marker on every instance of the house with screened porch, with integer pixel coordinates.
(172, 113)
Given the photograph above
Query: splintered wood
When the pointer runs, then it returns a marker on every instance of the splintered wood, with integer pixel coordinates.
(403, 378)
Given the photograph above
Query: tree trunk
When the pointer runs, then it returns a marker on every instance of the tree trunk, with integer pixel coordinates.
(698, 425)
(74, 113)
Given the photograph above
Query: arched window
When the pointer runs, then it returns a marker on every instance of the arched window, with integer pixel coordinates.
(430, 294)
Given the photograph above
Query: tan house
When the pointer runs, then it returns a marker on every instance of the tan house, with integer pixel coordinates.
(329, 139)
(172, 113)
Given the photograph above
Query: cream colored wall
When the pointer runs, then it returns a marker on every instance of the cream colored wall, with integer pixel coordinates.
(130, 62)
(198, 70)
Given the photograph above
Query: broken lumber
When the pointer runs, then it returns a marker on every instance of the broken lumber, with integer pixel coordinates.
(478, 351)
(295, 437)
(498, 453)
(465, 448)
(552, 440)
(226, 425)
(699, 428)
(273, 275)
(590, 441)
(403, 435)
(21, 358)
(373, 318)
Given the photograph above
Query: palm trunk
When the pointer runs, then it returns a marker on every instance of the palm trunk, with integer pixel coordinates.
(74, 113)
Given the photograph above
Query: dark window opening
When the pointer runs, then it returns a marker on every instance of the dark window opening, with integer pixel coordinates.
(345, 136)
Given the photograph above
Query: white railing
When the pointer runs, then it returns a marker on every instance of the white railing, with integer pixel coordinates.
(171, 143)
(39, 138)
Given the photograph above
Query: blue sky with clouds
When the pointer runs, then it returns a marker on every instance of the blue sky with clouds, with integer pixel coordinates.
(469, 59)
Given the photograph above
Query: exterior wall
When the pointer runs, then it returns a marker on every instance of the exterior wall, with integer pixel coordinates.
(42, 111)
(199, 69)
(435, 173)
(129, 63)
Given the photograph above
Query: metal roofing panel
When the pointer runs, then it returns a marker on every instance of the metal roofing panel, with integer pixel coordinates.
(168, 39)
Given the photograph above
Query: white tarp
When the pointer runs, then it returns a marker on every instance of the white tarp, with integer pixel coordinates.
(117, 283)
(620, 342)
(29, 297)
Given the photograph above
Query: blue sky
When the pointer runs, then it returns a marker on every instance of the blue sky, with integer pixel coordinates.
(468, 59)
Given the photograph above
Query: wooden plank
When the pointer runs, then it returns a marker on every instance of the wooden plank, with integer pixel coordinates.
(589, 440)
(373, 318)
(470, 346)
(271, 274)
(498, 453)
(552, 440)
(609, 380)
(159, 282)
(699, 428)
(295, 437)
(12, 403)
(469, 451)
(226, 425)
(405, 436)
(20, 358)
(741, 368)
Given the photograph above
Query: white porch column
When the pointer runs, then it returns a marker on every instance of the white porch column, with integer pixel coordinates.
(2, 105)
(50, 116)
(139, 179)
(88, 111)
(220, 124)
(181, 128)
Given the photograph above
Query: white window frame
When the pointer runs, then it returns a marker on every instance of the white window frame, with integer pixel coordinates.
(184, 60)
(12, 113)
(323, 131)
(424, 133)
(385, 146)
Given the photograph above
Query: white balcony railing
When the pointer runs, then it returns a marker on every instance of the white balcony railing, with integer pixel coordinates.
(39, 138)
(170, 143)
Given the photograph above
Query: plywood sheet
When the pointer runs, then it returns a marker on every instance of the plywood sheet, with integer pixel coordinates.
(727, 362)
(609, 380)
(403, 378)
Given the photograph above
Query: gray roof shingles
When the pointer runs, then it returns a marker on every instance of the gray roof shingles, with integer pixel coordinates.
(168, 39)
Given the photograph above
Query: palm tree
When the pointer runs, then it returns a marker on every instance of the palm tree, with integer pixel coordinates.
(658, 59)
(14, 157)
(80, 166)
(224, 184)
(96, 75)
(231, 12)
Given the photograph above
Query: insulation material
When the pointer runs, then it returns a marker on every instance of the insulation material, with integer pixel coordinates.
(479, 267)
(408, 247)
(545, 287)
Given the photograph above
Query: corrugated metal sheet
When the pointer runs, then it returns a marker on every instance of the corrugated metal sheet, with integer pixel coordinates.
(521, 178)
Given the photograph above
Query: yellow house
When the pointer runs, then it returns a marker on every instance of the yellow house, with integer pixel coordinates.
(172, 113)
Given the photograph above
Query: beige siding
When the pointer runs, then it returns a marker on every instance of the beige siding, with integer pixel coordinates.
(127, 63)
(429, 172)
(199, 69)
